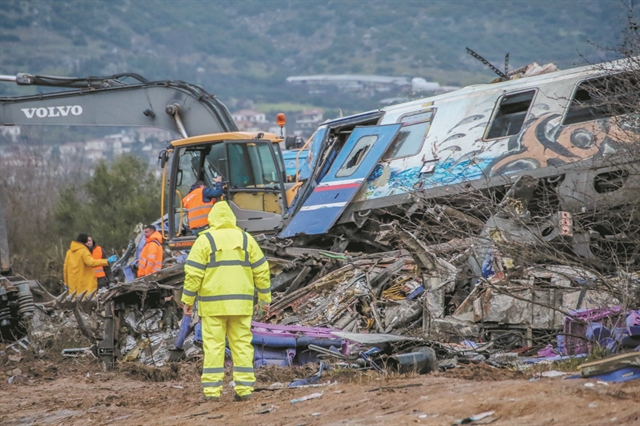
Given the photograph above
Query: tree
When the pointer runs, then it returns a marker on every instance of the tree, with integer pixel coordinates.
(118, 196)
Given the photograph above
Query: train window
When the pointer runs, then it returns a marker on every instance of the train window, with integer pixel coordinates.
(411, 136)
(357, 154)
(510, 115)
(610, 181)
(603, 97)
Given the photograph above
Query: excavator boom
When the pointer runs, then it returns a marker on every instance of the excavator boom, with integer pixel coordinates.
(177, 106)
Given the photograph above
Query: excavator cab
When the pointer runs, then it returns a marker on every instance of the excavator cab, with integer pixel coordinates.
(253, 176)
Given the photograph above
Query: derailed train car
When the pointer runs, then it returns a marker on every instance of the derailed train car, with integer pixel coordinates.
(573, 132)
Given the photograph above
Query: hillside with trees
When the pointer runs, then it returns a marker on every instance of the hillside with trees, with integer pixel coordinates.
(245, 49)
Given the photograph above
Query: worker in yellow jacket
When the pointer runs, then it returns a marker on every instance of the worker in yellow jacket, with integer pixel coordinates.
(78, 266)
(225, 268)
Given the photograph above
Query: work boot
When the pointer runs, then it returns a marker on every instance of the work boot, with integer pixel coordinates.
(239, 398)
(208, 398)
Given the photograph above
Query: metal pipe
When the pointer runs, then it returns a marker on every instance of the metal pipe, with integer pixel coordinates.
(174, 111)
(183, 131)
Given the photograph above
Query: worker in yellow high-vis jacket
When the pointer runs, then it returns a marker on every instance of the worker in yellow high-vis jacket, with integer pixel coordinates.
(225, 268)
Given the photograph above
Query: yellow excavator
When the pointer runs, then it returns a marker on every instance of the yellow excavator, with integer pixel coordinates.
(210, 145)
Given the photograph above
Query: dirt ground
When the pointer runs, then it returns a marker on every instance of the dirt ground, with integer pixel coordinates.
(77, 392)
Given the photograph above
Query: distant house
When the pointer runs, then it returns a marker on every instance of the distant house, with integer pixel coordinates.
(153, 133)
(95, 149)
(248, 120)
(249, 115)
(309, 120)
(122, 137)
(10, 132)
(71, 149)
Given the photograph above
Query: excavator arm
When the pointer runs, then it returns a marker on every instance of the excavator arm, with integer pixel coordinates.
(177, 106)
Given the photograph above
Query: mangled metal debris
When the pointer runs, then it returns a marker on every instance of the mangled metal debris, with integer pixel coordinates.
(463, 299)
(16, 306)
(16, 299)
(417, 308)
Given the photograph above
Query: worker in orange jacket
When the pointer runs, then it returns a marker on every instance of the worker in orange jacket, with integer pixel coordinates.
(102, 273)
(151, 256)
(199, 202)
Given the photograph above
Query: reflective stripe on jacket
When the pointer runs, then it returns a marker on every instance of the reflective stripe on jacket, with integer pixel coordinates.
(151, 256)
(97, 254)
(197, 209)
(225, 268)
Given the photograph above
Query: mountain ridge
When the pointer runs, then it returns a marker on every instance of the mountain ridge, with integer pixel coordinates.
(246, 49)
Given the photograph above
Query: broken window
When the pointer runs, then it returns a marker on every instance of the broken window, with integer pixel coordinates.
(511, 113)
(610, 181)
(411, 136)
(603, 97)
(357, 154)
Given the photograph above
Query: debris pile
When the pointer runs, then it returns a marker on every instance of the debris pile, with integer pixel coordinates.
(610, 328)
(463, 296)
(369, 293)
(141, 319)
(289, 345)
(404, 303)
(416, 308)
